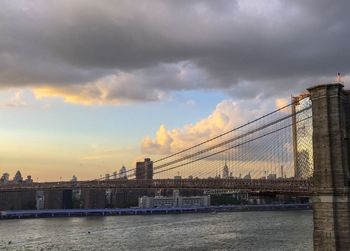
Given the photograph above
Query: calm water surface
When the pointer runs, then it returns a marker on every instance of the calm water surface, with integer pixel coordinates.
(223, 231)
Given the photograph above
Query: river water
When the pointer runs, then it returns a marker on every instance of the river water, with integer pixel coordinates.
(288, 230)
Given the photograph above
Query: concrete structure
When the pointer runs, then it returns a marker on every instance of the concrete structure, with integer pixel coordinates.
(93, 198)
(175, 201)
(142, 211)
(144, 170)
(17, 200)
(331, 132)
(53, 199)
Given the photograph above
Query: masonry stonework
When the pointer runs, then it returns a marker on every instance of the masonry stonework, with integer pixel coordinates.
(331, 204)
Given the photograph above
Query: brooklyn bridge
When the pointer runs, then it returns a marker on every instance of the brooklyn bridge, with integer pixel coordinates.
(300, 149)
(272, 153)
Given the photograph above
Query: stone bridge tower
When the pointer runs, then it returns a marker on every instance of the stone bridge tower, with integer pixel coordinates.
(331, 146)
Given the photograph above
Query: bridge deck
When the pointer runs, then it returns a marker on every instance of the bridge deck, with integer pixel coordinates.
(249, 185)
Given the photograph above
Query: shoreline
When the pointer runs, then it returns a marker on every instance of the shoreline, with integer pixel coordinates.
(56, 213)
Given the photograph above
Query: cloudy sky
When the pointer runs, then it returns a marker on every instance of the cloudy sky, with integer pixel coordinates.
(86, 86)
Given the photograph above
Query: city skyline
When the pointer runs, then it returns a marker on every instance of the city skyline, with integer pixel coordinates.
(88, 88)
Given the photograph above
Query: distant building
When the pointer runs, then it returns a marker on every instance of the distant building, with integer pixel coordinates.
(282, 172)
(74, 179)
(271, 176)
(123, 173)
(5, 178)
(107, 176)
(225, 172)
(29, 180)
(177, 177)
(175, 201)
(247, 177)
(144, 170)
(18, 178)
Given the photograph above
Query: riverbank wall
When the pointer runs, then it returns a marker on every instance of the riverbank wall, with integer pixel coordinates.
(22, 214)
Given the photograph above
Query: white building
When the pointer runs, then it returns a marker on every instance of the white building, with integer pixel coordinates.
(175, 201)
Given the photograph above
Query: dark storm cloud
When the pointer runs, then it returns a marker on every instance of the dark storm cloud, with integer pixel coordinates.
(247, 48)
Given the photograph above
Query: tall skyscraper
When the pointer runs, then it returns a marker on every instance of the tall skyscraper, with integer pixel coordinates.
(144, 169)
(225, 172)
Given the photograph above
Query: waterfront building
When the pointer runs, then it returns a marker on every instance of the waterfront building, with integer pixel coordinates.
(175, 201)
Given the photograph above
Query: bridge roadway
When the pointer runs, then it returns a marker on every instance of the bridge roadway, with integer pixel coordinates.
(282, 186)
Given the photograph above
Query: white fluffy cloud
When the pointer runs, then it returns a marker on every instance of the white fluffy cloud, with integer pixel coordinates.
(226, 115)
(16, 100)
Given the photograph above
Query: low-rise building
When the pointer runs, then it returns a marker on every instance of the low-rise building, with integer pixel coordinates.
(175, 201)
